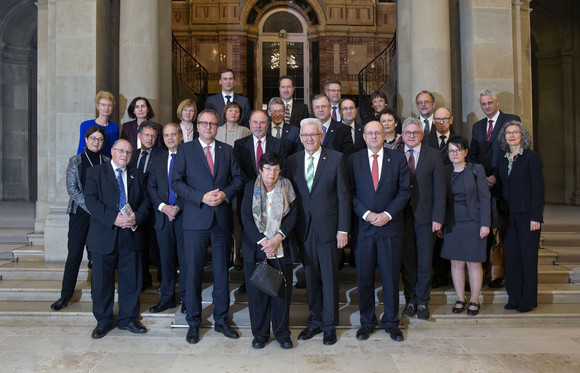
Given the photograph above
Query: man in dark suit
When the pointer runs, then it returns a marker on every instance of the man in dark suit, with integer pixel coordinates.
(485, 149)
(167, 220)
(294, 110)
(218, 101)
(425, 103)
(206, 177)
(320, 179)
(142, 159)
(115, 238)
(288, 134)
(335, 135)
(379, 180)
(333, 90)
(424, 216)
(348, 113)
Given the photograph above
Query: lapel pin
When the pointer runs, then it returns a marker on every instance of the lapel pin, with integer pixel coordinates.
(388, 159)
(324, 158)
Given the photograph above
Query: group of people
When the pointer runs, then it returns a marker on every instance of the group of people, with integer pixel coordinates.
(286, 187)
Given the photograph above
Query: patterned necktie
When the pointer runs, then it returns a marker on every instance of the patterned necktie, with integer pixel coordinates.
(323, 133)
(208, 158)
(426, 130)
(310, 173)
(411, 162)
(286, 114)
(278, 132)
(375, 171)
(259, 152)
(489, 130)
(142, 161)
(228, 97)
(333, 115)
(171, 199)
(122, 196)
(443, 145)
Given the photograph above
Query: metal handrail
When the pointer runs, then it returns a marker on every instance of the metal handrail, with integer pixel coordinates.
(190, 71)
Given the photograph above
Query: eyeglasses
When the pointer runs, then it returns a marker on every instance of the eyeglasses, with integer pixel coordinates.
(441, 119)
(207, 124)
(424, 102)
(319, 107)
(334, 90)
(277, 111)
(127, 152)
(411, 134)
(105, 105)
(270, 169)
(310, 135)
(509, 133)
(97, 139)
(455, 151)
(375, 133)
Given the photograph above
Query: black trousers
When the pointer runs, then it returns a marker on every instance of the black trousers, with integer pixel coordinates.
(264, 308)
(78, 228)
(170, 240)
(520, 250)
(150, 250)
(384, 253)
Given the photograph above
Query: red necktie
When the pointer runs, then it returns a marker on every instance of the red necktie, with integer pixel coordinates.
(333, 115)
(259, 153)
(209, 160)
(489, 130)
(375, 171)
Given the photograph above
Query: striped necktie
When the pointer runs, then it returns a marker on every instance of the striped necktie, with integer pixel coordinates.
(310, 173)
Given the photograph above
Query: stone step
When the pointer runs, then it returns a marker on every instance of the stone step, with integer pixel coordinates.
(15, 234)
(28, 253)
(575, 267)
(547, 257)
(36, 239)
(569, 238)
(565, 253)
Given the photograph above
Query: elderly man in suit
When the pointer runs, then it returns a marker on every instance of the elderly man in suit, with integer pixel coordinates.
(287, 133)
(206, 176)
(379, 180)
(168, 223)
(424, 216)
(116, 196)
(425, 104)
(320, 179)
(485, 148)
(294, 110)
(218, 101)
(335, 135)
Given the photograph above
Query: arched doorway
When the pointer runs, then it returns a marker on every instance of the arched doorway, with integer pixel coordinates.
(282, 50)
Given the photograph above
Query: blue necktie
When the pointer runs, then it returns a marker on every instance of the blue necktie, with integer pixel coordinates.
(122, 196)
(171, 200)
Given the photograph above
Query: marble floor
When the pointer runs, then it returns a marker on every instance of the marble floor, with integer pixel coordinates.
(456, 349)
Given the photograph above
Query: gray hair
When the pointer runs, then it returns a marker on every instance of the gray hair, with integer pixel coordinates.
(208, 111)
(410, 121)
(526, 138)
(275, 101)
(320, 96)
(488, 92)
(308, 121)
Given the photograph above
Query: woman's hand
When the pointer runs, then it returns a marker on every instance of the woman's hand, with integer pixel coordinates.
(535, 225)
(483, 232)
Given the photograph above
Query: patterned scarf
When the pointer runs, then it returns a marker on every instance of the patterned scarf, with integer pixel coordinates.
(282, 195)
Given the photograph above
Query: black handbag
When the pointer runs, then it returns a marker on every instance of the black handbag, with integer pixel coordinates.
(267, 278)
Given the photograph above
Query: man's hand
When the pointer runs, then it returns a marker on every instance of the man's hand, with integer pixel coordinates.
(534, 225)
(436, 226)
(123, 221)
(491, 180)
(170, 211)
(213, 198)
(341, 239)
(380, 219)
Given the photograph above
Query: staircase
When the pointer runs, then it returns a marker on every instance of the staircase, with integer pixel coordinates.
(190, 78)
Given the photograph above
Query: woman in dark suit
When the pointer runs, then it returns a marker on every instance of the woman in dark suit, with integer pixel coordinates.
(467, 222)
(520, 173)
(268, 215)
(139, 110)
(78, 226)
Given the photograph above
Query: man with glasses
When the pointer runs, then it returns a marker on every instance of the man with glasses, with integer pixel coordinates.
(379, 180)
(206, 177)
(335, 135)
(425, 103)
(348, 112)
(424, 215)
(320, 179)
(333, 90)
(116, 196)
(280, 129)
(294, 110)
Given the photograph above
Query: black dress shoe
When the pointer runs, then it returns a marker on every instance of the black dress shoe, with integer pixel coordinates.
(285, 342)
(395, 333)
(192, 335)
(456, 309)
(308, 333)
(510, 306)
(242, 288)
(363, 333)
(329, 338)
(227, 330)
(409, 310)
(59, 304)
(259, 342)
(523, 309)
(423, 312)
(134, 326)
(494, 283)
(301, 284)
(161, 307)
(183, 309)
(145, 286)
(100, 331)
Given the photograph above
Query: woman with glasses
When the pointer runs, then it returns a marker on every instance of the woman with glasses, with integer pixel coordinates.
(139, 110)
(520, 173)
(79, 216)
(186, 113)
(104, 101)
(389, 120)
(467, 222)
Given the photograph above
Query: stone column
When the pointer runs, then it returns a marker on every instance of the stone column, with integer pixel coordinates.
(145, 55)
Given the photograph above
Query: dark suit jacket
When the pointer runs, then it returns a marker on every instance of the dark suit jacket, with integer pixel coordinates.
(327, 209)
(290, 139)
(130, 130)
(217, 103)
(158, 188)
(299, 112)
(523, 189)
(391, 195)
(246, 155)
(483, 152)
(359, 141)
(428, 187)
(102, 199)
(338, 137)
(192, 178)
(251, 235)
(433, 141)
(476, 194)
(153, 153)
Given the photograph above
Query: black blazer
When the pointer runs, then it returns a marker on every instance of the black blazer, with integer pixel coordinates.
(130, 130)
(327, 209)
(428, 187)
(246, 155)
(359, 141)
(523, 189)
(153, 153)
(476, 193)
(102, 199)
(290, 139)
(251, 235)
(391, 195)
(338, 137)
(483, 152)
(192, 178)
(158, 188)
(217, 103)
(433, 141)
(299, 112)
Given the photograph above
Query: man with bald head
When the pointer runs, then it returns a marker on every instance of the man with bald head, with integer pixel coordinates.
(438, 139)
(379, 180)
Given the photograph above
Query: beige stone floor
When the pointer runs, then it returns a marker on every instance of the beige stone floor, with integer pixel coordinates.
(456, 349)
